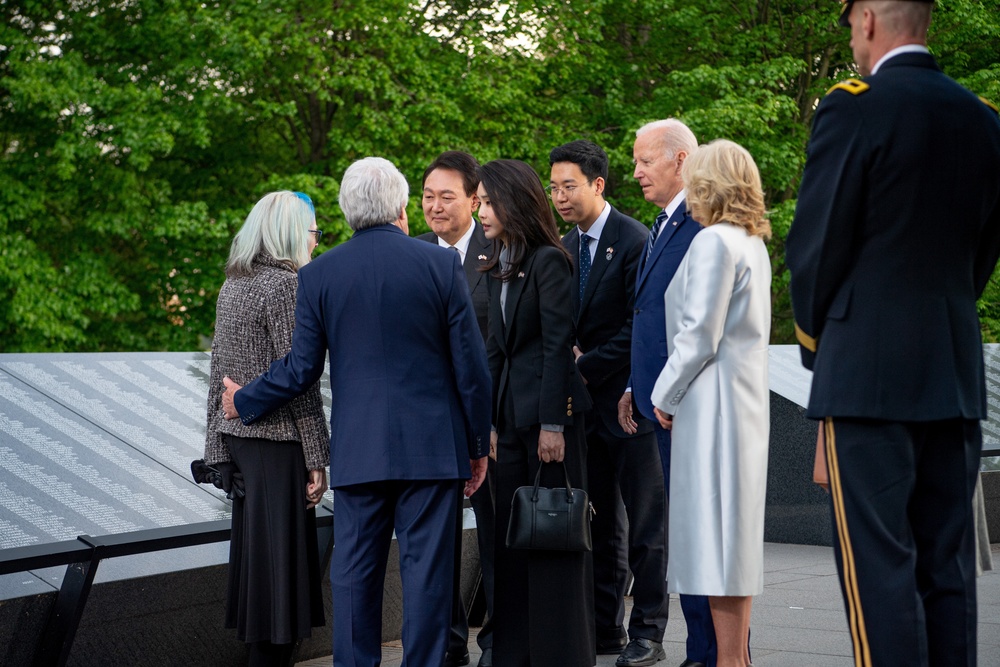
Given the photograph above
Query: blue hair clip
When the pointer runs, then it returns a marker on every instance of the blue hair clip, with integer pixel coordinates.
(304, 197)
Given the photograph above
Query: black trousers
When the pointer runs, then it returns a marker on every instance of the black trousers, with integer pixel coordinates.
(483, 506)
(625, 484)
(544, 599)
(904, 538)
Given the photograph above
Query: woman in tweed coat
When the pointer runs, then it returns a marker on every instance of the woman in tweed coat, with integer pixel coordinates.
(274, 595)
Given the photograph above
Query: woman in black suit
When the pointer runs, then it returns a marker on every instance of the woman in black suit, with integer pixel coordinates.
(544, 608)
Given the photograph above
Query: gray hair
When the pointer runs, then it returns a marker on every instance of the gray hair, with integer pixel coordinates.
(675, 136)
(279, 225)
(372, 193)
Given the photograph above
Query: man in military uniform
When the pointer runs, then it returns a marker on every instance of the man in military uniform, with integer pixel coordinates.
(895, 236)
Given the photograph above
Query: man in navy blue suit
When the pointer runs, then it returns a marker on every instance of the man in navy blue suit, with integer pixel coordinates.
(659, 152)
(410, 416)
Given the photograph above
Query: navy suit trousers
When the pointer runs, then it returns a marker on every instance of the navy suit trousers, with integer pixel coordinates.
(422, 513)
(904, 540)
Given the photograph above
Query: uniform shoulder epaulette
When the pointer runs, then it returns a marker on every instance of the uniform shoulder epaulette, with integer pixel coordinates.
(853, 86)
(989, 104)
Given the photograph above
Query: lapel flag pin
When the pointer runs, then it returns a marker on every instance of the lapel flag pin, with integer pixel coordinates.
(483, 257)
(520, 274)
(610, 252)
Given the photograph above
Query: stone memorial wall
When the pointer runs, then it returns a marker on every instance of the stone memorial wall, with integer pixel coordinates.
(798, 510)
(102, 444)
(98, 444)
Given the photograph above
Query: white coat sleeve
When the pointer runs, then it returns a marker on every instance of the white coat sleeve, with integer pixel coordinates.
(709, 277)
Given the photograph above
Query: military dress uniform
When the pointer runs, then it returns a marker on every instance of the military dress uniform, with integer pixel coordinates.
(896, 233)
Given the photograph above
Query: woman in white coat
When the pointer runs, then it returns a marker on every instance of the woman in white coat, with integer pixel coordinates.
(713, 393)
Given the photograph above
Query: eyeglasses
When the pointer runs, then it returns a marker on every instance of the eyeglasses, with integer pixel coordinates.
(318, 233)
(568, 190)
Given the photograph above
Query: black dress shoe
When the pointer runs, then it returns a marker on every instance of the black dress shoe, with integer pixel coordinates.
(486, 659)
(641, 652)
(692, 663)
(456, 660)
(611, 646)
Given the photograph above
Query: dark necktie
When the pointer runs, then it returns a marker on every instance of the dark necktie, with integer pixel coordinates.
(654, 232)
(584, 263)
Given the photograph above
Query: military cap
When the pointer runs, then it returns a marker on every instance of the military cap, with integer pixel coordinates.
(846, 11)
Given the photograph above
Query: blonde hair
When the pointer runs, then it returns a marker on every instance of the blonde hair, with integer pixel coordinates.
(723, 185)
(279, 225)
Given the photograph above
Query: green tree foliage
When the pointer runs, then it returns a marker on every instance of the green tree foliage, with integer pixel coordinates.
(137, 134)
(106, 114)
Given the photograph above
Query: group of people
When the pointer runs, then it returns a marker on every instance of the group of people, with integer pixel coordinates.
(504, 350)
(633, 360)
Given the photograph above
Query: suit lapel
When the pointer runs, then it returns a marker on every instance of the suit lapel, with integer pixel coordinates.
(497, 328)
(602, 258)
(514, 289)
(479, 247)
(662, 239)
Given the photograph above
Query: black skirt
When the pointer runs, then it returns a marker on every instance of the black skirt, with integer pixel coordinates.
(274, 578)
(543, 600)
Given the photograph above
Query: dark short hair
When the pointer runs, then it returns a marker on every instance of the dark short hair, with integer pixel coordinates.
(466, 166)
(522, 207)
(587, 155)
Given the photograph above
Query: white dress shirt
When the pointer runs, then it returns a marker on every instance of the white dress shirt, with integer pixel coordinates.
(463, 243)
(595, 230)
(674, 203)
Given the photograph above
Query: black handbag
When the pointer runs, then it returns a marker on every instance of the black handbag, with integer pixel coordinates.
(553, 519)
(220, 475)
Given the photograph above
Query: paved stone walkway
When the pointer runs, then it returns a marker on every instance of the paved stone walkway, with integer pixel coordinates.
(798, 620)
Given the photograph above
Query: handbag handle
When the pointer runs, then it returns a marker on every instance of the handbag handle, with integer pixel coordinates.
(538, 481)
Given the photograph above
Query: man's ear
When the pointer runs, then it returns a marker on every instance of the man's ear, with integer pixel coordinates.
(599, 185)
(402, 222)
(868, 19)
(681, 156)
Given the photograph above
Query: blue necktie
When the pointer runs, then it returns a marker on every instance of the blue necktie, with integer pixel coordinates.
(660, 219)
(584, 263)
